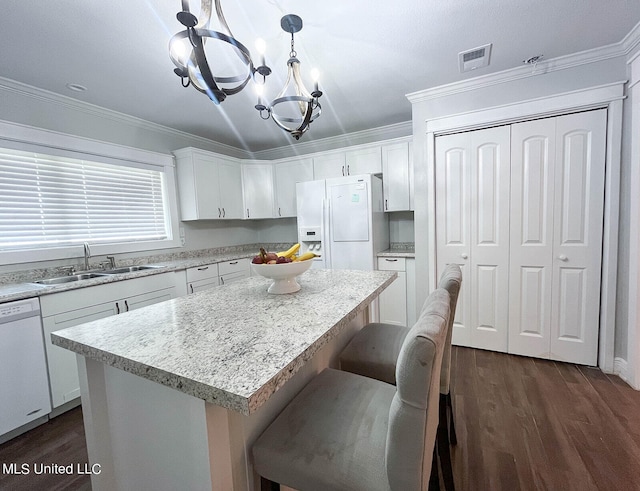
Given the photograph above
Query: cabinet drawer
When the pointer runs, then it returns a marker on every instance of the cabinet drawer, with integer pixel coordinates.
(391, 264)
(204, 272)
(235, 266)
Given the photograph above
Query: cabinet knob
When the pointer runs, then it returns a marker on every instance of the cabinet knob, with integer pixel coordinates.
(203, 268)
(117, 308)
(191, 286)
(219, 213)
(126, 304)
(343, 170)
(464, 255)
(348, 173)
(224, 213)
(386, 204)
(562, 257)
(279, 212)
(233, 262)
(391, 260)
(247, 212)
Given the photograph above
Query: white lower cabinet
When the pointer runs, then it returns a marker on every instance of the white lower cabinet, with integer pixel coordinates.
(201, 278)
(72, 308)
(393, 300)
(205, 277)
(234, 270)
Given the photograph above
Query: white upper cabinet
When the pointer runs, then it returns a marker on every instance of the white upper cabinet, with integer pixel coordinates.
(287, 174)
(328, 166)
(395, 176)
(257, 183)
(363, 161)
(209, 186)
(230, 179)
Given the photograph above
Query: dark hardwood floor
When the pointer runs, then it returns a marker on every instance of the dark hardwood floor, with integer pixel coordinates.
(522, 424)
(59, 441)
(528, 424)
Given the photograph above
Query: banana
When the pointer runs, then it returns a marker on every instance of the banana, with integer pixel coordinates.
(289, 252)
(305, 257)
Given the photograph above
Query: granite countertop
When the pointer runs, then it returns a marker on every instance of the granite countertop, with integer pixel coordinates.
(19, 291)
(400, 249)
(232, 346)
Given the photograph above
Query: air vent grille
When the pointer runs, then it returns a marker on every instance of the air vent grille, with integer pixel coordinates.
(474, 58)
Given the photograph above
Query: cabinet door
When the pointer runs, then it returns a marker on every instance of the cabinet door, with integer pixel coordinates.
(577, 236)
(363, 161)
(257, 183)
(532, 183)
(144, 299)
(201, 285)
(205, 183)
(328, 166)
(230, 189)
(395, 176)
(393, 301)
(287, 174)
(63, 368)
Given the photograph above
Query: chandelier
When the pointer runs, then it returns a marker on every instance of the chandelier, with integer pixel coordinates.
(294, 108)
(192, 66)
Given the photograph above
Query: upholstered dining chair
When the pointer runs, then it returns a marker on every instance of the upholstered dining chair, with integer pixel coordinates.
(344, 431)
(373, 352)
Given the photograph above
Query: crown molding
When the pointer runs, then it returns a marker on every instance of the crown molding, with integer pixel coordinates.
(397, 130)
(595, 55)
(12, 86)
(631, 41)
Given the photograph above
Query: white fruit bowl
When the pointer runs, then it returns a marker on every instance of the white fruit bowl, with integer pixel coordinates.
(283, 275)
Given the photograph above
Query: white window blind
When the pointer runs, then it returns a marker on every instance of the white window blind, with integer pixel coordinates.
(51, 201)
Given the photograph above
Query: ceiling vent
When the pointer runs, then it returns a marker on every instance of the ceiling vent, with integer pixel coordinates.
(474, 58)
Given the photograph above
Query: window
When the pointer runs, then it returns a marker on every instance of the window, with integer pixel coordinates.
(53, 200)
(48, 201)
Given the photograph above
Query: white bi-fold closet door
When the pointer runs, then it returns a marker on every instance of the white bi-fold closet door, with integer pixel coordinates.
(533, 192)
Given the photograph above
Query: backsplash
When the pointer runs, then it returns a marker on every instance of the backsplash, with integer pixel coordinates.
(31, 275)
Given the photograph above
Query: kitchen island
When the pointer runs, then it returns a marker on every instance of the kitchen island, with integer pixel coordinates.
(174, 394)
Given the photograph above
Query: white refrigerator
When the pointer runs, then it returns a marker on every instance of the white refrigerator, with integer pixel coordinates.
(342, 221)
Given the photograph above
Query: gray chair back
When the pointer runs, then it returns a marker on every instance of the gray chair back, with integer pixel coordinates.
(450, 280)
(413, 415)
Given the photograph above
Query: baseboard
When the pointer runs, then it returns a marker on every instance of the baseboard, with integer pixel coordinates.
(621, 369)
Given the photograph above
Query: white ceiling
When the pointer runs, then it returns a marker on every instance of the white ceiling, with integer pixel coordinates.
(370, 54)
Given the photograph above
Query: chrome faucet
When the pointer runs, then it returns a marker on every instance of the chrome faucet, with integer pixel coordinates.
(87, 255)
(112, 261)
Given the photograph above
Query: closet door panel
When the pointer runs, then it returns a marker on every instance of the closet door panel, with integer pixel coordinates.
(577, 248)
(531, 232)
(452, 222)
(489, 220)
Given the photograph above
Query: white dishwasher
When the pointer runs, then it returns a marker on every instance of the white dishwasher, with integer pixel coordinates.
(24, 382)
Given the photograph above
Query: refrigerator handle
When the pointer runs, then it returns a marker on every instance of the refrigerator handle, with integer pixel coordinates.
(326, 243)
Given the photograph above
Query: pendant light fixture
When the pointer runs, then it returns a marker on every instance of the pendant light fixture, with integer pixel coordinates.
(186, 50)
(294, 108)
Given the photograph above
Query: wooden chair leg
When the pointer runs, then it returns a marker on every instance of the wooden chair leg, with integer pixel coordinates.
(444, 451)
(453, 439)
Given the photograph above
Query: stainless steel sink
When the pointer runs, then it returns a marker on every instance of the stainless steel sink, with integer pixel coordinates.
(129, 269)
(69, 279)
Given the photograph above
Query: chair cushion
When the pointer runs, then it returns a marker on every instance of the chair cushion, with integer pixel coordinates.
(374, 350)
(332, 436)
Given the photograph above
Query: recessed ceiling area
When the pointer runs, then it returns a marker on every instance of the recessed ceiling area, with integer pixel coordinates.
(370, 54)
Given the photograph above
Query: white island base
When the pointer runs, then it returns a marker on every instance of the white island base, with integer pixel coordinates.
(146, 436)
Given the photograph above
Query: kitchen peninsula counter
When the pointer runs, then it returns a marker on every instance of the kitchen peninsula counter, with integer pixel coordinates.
(235, 356)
